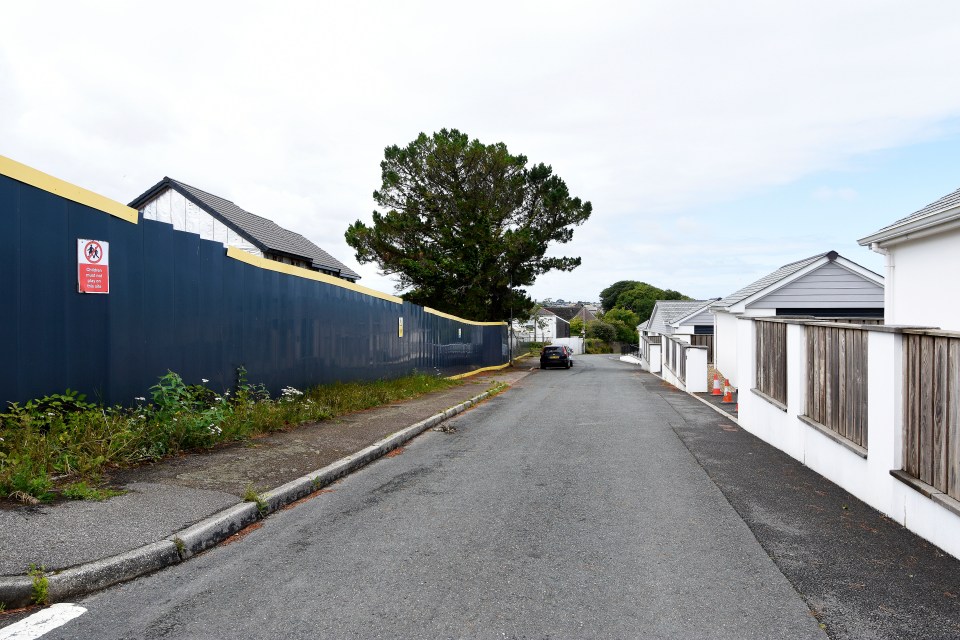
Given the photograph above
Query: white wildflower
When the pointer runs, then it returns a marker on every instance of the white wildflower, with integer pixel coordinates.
(204, 380)
(140, 398)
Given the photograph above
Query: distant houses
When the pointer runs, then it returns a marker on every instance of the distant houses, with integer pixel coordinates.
(826, 285)
(193, 210)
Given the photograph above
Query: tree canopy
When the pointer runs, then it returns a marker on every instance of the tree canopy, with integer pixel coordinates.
(465, 225)
(638, 297)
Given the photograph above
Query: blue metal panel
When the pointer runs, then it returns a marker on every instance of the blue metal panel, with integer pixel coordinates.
(178, 303)
(10, 257)
(126, 339)
(212, 316)
(185, 265)
(86, 321)
(47, 278)
(160, 350)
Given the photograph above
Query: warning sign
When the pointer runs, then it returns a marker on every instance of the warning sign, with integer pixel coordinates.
(93, 266)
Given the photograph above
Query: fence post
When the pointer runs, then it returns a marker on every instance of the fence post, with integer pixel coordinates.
(696, 369)
(746, 369)
(796, 369)
(885, 406)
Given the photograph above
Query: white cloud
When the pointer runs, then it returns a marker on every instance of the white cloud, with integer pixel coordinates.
(646, 109)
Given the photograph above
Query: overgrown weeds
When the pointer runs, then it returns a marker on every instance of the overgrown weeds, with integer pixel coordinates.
(60, 445)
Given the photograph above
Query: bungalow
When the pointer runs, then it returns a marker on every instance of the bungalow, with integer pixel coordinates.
(921, 251)
(682, 321)
(826, 285)
(213, 218)
(872, 408)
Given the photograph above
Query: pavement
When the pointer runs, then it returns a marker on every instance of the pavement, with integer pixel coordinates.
(860, 574)
(182, 506)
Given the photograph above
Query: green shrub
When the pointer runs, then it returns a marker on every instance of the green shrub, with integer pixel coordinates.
(63, 436)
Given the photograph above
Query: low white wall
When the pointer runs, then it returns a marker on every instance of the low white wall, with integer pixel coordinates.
(656, 360)
(867, 478)
(576, 344)
(725, 341)
(696, 369)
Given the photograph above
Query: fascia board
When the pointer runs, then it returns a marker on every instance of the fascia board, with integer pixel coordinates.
(779, 284)
(680, 321)
(860, 271)
(912, 229)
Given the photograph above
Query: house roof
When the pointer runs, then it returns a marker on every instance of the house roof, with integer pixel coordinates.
(770, 279)
(568, 313)
(666, 312)
(264, 233)
(919, 223)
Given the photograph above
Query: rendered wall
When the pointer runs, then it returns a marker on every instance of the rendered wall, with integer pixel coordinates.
(179, 303)
(913, 297)
(865, 476)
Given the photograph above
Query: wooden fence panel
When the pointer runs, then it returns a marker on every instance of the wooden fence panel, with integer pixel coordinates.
(771, 359)
(837, 380)
(931, 410)
(704, 340)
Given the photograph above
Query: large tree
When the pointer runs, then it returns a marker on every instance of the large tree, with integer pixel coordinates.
(638, 297)
(465, 225)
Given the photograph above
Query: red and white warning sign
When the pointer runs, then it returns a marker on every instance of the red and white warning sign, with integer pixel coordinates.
(93, 270)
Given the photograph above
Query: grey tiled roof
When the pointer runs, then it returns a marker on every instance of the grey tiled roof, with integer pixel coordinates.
(568, 313)
(946, 202)
(666, 311)
(264, 233)
(766, 281)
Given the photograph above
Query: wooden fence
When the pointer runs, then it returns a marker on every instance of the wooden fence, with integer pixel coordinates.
(931, 410)
(837, 380)
(771, 360)
(705, 341)
(676, 357)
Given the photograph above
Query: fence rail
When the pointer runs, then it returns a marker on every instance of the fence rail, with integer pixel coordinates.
(931, 410)
(771, 360)
(837, 380)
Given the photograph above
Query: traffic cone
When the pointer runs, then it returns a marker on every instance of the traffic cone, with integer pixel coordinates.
(727, 393)
(716, 386)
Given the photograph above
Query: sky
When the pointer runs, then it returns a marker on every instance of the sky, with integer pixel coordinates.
(716, 141)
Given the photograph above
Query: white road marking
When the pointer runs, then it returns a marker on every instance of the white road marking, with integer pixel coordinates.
(42, 622)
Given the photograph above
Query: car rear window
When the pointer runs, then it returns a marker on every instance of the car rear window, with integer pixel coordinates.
(553, 349)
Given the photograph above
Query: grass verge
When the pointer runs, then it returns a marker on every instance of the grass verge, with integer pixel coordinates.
(59, 445)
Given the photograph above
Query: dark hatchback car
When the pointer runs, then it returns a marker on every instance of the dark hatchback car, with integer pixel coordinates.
(556, 357)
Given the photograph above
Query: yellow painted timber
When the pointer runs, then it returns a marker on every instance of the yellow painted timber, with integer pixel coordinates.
(300, 272)
(476, 371)
(56, 186)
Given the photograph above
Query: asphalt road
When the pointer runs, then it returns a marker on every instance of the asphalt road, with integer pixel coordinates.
(567, 507)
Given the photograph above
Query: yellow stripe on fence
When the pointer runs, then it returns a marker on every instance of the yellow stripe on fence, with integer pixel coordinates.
(56, 186)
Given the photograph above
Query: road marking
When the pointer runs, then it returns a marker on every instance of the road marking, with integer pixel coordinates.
(42, 622)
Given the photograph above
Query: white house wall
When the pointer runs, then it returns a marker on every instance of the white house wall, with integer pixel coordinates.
(921, 282)
(829, 287)
(172, 208)
(725, 345)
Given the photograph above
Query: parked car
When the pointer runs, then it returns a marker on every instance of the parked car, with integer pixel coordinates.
(558, 356)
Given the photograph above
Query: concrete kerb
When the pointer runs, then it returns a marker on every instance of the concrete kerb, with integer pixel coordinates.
(729, 416)
(17, 591)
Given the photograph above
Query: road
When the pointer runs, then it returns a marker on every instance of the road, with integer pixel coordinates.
(566, 507)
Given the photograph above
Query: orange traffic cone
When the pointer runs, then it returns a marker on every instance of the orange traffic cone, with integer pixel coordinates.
(716, 386)
(727, 393)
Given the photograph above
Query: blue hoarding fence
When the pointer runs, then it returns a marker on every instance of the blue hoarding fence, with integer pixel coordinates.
(183, 304)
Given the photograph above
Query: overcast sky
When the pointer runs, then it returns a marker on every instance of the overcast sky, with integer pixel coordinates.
(716, 140)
